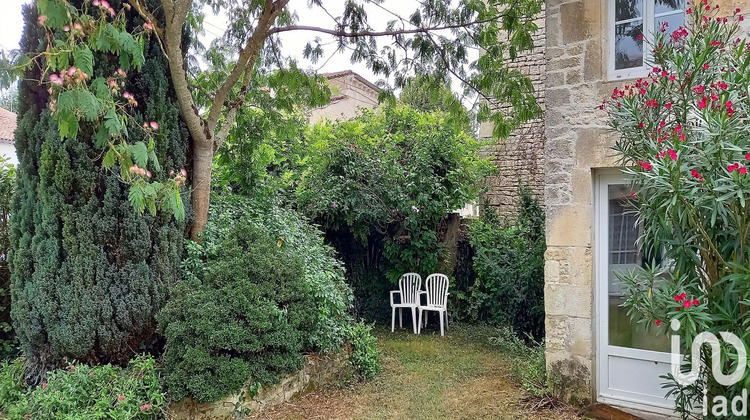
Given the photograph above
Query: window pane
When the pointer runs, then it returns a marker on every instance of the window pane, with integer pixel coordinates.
(673, 22)
(628, 9)
(663, 6)
(628, 48)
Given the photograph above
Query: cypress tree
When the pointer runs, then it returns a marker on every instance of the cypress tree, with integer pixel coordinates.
(88, 273)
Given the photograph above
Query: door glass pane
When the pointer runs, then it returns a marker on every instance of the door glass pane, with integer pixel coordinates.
(628, 46)
(664, 6)
(623, 256)
(628, 9)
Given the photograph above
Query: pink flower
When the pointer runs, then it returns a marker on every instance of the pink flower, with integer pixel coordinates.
(71, 71)
(66, 28)
(77, 26)
(104, 4)
(55, 79)
(95, 2)
(698, 89)
(682, 137)
(678, 128)
(148, 174)
(672, 154)
(705, 66)
(747, 156)
(183, 172)
(41, 19)
(696, 174)
(72, 367)
(120, 398)
(743, 170)
(145, 407)
(335, 205)
(742, 17)
(44, 385)
(686, 304)
(731, 168)
(703, 103)
(133, 169)
(668, 105)
(148, 26)
(695, 302)
(154, 125)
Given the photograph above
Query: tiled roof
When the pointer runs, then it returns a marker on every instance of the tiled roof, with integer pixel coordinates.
(7, 124)
(338, 74)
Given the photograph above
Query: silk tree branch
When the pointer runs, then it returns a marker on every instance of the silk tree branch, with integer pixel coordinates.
(392, 32)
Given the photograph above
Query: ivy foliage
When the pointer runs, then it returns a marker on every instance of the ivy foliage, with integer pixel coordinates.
(380, 185)
(88, 273)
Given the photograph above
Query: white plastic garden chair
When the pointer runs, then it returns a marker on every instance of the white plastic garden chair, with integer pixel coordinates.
(408, 290)
(436, 289)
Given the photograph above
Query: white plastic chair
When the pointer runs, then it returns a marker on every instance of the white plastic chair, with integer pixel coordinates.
(408, 290)
(436, 289)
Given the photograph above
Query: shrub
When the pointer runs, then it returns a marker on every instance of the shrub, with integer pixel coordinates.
(8, 344)
(80, 391)
(509, 269)
(244, 313)
(12, 389)
(380, 184)
(682, 135)
(88, 273)
(365, 354)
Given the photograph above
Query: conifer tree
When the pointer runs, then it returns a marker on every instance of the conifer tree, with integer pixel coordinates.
(89, 273)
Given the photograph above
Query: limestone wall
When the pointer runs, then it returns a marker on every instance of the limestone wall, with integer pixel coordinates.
(319, 370)
(522, 154)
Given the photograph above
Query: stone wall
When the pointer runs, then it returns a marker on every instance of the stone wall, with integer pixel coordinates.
(522, 154)
(319, 371)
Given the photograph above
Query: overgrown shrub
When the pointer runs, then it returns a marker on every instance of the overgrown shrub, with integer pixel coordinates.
(380, 184)
(244, 313)
(509, 269)
(83, 392)
(8, 342)
(365, 354)
(682, 135)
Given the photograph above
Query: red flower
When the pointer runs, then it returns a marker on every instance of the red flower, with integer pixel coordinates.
(640, 124)
(703, 103)
(733, 167)
(695, 302)
(742, 18)
(686, 304)
(698, 89)
(747, 156)
(696, 174)
(682, 137)
(705, 66)
(640, 37)
(672, 154)
(645, 165)
(668, 105)
(678, 128)
(658, 322)
(689, 11)
(632, 195)
(743, 170)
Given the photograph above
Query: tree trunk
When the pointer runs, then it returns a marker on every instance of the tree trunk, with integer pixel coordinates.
(203, 158)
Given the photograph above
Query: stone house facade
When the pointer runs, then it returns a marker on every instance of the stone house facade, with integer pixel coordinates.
(590, 49)
(349, 93)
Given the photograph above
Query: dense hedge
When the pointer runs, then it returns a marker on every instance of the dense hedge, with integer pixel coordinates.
(260, 289)
(7, 336)
(89, 274)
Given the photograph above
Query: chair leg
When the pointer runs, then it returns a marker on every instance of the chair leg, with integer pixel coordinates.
(400, 318)
(414, 319)
(446, 319)
(393, 319)
(419, 324)
(426, 315)
(442, 331)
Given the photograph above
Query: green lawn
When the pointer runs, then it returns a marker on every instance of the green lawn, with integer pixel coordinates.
(459, 376)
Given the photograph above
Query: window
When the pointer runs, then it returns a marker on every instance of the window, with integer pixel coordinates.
(632, 24)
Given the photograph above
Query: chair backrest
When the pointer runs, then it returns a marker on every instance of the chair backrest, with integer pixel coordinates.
(409, 285)
(437, 290)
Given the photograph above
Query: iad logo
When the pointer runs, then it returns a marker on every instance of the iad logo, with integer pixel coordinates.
(720, 403)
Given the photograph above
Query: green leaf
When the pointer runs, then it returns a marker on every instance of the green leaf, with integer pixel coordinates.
(140, 153)
(84, 60)
(137, 198)
(109, 159)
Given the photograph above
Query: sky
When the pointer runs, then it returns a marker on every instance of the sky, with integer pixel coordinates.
(11, 26)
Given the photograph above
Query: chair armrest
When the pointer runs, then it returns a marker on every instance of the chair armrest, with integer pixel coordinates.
(392, 292)
(419, 297)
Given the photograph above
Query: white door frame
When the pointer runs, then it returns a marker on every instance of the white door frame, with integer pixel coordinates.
(657, 403)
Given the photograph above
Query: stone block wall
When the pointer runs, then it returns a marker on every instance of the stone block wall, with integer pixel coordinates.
(522, 154)
(318, 371)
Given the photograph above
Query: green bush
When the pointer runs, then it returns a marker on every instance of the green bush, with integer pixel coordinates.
(381, 184)
(365, 354)
(83, 392)
(12, 389)
(8, 342)
(509, 269)
(244, 313)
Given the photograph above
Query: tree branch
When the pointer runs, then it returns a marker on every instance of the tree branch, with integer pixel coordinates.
(345, 34)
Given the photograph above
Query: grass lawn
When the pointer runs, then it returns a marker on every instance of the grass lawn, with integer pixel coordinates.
(459, 376)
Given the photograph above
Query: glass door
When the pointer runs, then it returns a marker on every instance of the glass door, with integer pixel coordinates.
(629, 358)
